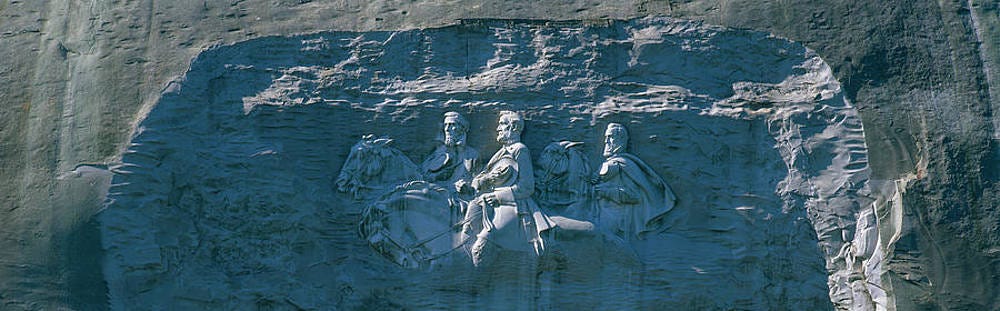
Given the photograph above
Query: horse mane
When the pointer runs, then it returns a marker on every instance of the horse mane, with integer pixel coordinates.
(359, 176)
(578, 170)
(580, 176)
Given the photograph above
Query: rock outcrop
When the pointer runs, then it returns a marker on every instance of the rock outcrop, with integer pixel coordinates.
(77, 77)
(225, 197)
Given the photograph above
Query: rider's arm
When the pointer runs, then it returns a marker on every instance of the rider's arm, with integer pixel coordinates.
(524, 181)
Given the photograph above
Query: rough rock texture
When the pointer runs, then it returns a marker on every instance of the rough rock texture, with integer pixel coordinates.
(224, 198)
(76, 76)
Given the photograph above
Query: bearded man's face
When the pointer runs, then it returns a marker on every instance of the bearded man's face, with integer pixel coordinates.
(506, 130)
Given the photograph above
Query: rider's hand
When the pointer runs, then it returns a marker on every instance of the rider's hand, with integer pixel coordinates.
(491, 200)
(476, 183)
(462, 186)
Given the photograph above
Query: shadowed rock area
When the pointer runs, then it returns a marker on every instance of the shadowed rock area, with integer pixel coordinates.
(225, 197)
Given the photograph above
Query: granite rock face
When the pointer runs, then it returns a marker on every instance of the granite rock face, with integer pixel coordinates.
(226, 196)
(77, 77)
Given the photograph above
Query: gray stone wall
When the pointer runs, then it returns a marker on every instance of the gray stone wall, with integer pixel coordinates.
(78, 76)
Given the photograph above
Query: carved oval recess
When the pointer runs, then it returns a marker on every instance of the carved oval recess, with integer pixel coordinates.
(229, 196)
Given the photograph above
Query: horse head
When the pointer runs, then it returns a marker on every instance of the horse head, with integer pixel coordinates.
(373, 164)
(562, 174)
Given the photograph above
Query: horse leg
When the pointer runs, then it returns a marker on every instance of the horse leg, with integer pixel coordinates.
(481, 251)
(473, 213)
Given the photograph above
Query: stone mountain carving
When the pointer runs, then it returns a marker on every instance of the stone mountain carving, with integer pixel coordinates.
(413, 224)
(374, 166)
(453, 162)
(631, 196)
(417, 222)
(563, 181)
(510, 217)
(227, 201)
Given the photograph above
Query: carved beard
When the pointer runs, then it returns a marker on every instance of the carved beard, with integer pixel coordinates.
(612, 149)
(507, 137)
(453, 140)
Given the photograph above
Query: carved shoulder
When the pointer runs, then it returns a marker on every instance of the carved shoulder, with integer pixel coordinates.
(611, 166)
(436, 160)
(518, 149)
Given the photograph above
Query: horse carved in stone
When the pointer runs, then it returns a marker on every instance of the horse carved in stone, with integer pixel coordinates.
(413, 223)
(562, 181)
(565, 190)
(373, 167)
(406, 219)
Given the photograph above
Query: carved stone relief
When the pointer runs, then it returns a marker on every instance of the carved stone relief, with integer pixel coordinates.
(631, 196)
(408, 224)
(641, 164)
(625, 199)
(564, 181)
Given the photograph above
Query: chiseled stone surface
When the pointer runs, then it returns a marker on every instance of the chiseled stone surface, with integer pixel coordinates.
(227, 196)
(76, 77)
